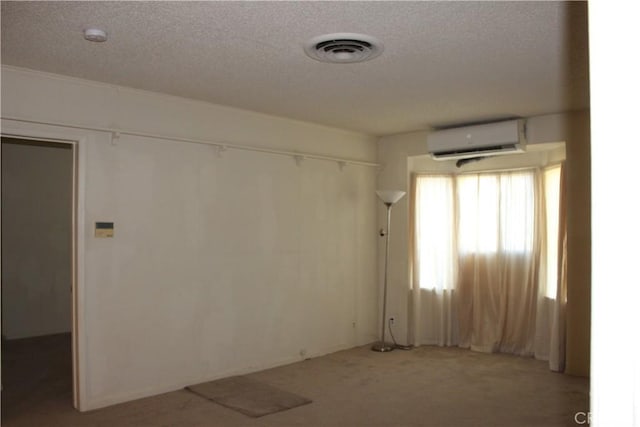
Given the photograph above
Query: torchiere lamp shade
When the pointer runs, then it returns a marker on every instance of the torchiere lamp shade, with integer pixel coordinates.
(390, 196)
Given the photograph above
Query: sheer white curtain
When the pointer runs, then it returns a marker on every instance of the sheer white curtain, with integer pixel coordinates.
(435, 268)
(479, 262)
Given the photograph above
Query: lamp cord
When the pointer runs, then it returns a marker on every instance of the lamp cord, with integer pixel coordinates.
(395, 344)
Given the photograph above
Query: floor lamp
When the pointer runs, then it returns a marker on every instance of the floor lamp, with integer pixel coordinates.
(388, 197)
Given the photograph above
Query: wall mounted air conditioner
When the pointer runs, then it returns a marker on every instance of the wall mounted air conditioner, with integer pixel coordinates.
(489, 139)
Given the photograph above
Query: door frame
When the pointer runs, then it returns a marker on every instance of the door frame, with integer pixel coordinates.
(77, 141)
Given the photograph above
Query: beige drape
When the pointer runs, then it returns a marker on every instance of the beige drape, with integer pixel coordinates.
(497, 303)
(497, 292)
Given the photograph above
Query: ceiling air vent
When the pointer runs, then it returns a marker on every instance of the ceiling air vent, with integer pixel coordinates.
(343, 48)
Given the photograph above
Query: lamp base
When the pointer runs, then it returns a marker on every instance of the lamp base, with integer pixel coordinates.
(381, 347)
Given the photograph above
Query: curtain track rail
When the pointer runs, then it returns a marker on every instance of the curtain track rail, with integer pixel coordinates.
(115, 133)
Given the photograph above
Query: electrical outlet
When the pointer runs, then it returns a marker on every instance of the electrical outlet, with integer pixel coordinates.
(392, 320)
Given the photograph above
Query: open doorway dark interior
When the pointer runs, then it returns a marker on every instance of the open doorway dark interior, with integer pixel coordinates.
(37, 207)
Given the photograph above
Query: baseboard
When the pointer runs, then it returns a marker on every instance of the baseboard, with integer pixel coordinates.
(90, 404)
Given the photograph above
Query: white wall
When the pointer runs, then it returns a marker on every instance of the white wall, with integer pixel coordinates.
(615, 380)
(220, 264)
(36, 242)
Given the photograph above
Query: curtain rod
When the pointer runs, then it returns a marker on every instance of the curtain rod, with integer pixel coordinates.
(487, 171)
(498, 170)
(115, 133)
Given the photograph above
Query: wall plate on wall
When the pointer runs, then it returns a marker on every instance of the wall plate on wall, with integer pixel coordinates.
(104, 229)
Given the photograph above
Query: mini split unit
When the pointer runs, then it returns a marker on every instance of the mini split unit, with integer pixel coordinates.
(489, 139)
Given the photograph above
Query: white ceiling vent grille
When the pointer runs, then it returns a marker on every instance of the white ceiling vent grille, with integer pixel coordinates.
(343, 48)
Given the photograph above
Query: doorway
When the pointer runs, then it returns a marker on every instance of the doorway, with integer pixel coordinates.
(38, 273)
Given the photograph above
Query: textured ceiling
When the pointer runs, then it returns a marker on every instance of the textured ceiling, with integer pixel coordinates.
(443, 63)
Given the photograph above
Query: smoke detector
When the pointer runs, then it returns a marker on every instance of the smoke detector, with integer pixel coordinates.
(343, 48)
(95, 35)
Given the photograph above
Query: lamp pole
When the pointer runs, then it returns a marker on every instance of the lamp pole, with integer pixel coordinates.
(389, 198)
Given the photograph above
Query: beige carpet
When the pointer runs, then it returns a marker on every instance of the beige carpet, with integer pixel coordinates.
(247, 396)
(428, 386)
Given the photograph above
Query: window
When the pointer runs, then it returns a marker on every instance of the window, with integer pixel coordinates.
(552, 214)
(496, 212)
(435, 222)
(482, 214)
(481, 246)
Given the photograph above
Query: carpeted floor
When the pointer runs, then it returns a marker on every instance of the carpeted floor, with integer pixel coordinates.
(428, 386)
